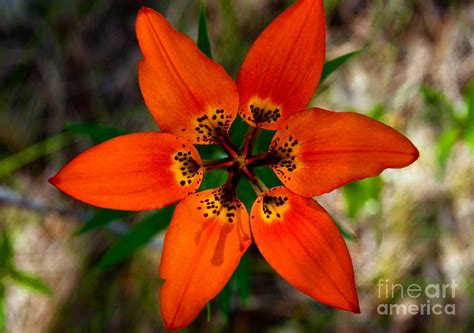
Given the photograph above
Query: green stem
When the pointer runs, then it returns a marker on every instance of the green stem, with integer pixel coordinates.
(258, 186)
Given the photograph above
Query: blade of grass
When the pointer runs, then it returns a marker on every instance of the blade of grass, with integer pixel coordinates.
(34, 152)
(331, 65)
(96, 132)
(440, 105)
(239, 282)
(345, 233)
(2, 307)
(208, 310)
(203, 34)
(140, 235)
(224, 300)
(30, 282)
(101, 218)
(241, 277)
(444, 146)
(469, 97)
(358, 195)
(6, 251)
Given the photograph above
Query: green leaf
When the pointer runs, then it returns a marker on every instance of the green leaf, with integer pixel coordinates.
(213, 179)
(440, 106)
(203, 35)
(3, 321)
(345, 233)
(331, 65)
(140, 235)
(362, 194)
(469, 97)
(469, 137)
(241, 279)
(30, 282)
(102, 218)
(211, 152)
(238, 130)
(224, 300)
(209, 312)
(268, 177)
(34, 152)
(6, 250)
(444, 146)
(246, 193)
(377, 112)
(97, 133)
(263, 142)
(330, 6)
(239, 282)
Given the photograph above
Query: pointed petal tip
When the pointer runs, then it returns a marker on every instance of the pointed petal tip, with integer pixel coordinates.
(171, 325)
(415, 153)
(351, 147)
(347, 304)
(54, 180)
(353, 302)
(134, 172)
(198, 259)
(191, 87)
(356, 308)
(275, 85)
(353, 306)
(144, 10)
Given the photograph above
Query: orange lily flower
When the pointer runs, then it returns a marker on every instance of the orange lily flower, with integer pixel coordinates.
(194, 101)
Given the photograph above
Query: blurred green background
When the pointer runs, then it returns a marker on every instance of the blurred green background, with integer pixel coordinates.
(68, 79)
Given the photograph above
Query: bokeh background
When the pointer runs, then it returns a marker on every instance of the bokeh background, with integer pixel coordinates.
(68, 79)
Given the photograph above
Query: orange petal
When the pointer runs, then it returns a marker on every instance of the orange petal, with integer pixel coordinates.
(317, 150)
(301, 242)
(187, 93)
(207, 236)
(133, 172)
(284, 65)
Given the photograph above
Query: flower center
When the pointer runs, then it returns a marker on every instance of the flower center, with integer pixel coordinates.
(281, 157)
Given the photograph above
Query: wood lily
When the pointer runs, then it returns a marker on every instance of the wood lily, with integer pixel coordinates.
(194, 101)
